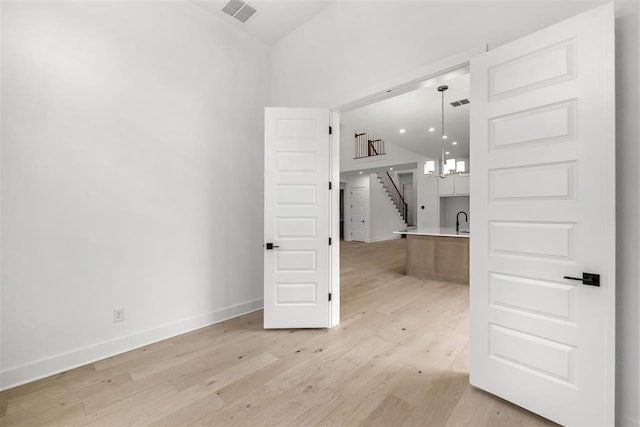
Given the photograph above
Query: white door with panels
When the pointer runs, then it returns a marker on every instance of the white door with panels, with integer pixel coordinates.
(543, 202)
(358, 217)
(297, 218)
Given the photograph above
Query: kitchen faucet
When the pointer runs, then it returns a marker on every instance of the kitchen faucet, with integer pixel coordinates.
(466, 219)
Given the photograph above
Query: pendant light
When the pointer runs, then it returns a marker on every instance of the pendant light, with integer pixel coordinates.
(447, 166)
(444, 166)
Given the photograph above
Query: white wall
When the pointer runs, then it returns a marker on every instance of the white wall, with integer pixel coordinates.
(321, 65)
(1, 198)
(628, 212)
(325, 62)
(385, 218)
(124, 124)
(449, 208)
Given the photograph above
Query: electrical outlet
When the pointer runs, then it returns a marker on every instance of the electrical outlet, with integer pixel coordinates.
(118, 315)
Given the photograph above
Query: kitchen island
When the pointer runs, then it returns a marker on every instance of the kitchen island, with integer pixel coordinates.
(438, 253)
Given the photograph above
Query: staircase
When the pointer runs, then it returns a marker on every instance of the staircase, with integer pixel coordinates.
(392, 191)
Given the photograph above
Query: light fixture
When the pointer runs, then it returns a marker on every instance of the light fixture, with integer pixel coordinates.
(448, 166)
(390, 169)
(402, 131)
(429, 167)
(360, 172)
(460, 166)
(443, 166)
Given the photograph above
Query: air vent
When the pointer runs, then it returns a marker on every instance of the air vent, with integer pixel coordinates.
(239, 10)
(460, 102)
(245, 13)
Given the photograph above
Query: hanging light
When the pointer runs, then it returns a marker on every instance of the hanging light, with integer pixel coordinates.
(460, 166)
(429, 167)
(448, 166)
(444, 169)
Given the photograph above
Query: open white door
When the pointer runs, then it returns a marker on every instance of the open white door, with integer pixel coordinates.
(543, 203)
(297, 218)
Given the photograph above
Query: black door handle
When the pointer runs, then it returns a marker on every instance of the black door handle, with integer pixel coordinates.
(271, 246)
(590, 279)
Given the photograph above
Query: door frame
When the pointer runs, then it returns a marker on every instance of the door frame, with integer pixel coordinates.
(429, 74)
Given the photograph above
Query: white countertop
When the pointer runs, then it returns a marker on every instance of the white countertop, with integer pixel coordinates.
(442, 231)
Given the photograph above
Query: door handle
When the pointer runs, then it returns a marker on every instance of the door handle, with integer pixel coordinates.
(590, 279)
(271, 246)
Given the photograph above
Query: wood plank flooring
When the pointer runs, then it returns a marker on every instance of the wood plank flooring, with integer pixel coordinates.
(399, 358)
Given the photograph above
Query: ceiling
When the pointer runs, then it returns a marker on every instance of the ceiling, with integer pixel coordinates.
(274, 19)
(416, 112)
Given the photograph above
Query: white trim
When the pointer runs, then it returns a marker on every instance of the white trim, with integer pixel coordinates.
(442, 69)
(42, 368)
(334, 220)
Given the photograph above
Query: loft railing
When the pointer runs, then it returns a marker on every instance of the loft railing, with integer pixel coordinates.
(394, 193)
(366, 147)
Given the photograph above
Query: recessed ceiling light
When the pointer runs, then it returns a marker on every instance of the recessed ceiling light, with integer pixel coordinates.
(402, 131)
(432, 129)
(360, 172)
(446, 152)
(390, 169)
(454, 143)
(444, 136)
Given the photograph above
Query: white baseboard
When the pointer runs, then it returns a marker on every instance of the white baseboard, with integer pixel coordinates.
(29, 372)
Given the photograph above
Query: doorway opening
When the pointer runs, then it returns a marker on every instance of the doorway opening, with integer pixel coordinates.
(387, 193)
(374, 281)
(382, 195)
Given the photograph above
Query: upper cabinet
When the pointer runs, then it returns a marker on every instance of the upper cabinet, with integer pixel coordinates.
(455, 185)
(461, 185)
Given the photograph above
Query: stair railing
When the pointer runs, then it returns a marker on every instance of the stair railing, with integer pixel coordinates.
(395, 194)
(366, 147)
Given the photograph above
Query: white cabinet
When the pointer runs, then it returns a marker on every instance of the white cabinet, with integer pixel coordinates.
(455, 185)
(446, 187)
(461, 185)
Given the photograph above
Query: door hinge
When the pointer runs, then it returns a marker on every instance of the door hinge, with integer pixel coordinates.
(329, 185)
(330, 130)
(329, 296)
(329, 241)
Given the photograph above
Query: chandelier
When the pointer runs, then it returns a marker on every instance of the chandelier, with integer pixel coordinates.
(447, 166)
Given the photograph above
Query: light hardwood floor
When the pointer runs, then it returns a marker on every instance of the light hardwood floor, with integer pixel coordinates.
(399, 358)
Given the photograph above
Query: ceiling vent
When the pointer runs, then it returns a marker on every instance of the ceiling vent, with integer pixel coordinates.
(459, 103)
(239, 10)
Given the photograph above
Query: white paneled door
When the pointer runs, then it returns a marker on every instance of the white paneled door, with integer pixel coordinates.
(297, 218)
(543, 188)
(358, 215)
